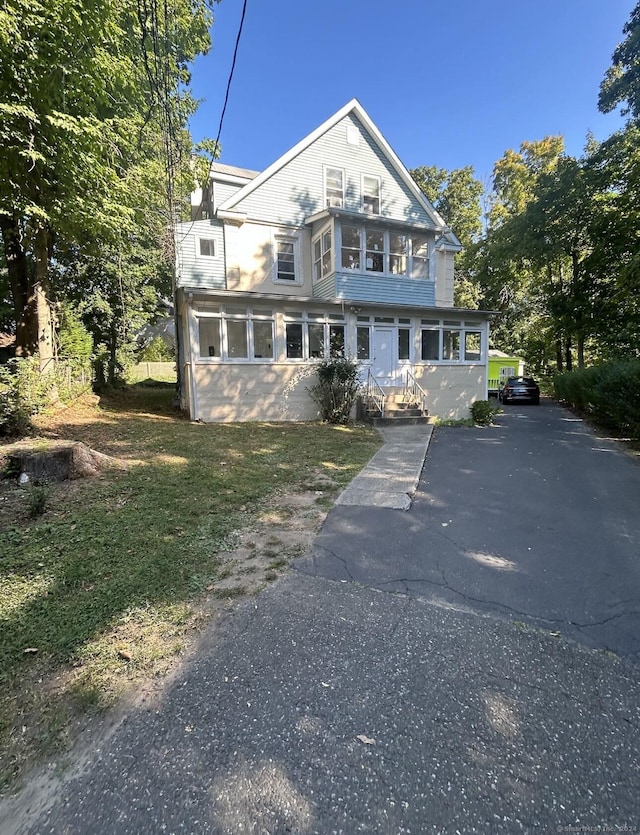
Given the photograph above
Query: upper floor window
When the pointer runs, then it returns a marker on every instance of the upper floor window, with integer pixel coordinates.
(351, 247)
(371, 194)
(286, 259)
(206, 246)
(397, 253)
(419, 256)
(334, 187)
(322, 255)
(374, 259)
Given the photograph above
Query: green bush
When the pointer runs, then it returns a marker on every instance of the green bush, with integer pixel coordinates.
(24, 391)
(482, 412)
(609, 393)
(337, 388)
(157, 351)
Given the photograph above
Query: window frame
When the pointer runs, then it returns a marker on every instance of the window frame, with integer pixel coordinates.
(322, 261)
(211, 242)
(458, 331)
(330, 323)
(249, 318)
(339, 201)
(288, 240)
(364, 193)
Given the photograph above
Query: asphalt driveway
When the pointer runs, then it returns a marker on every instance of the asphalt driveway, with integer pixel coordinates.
(535, 519)
(417, 672)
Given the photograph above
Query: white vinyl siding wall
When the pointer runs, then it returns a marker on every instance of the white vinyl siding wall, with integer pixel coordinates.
(193, 269)
(298, 189)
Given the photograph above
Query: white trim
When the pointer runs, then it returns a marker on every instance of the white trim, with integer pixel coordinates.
(298, 279)
(199, 253)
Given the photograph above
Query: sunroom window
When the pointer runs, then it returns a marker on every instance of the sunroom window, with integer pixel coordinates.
(209, 334)
(375, 252)
(472, 346)
(397, 254)
(351, 247)
(237, 342)
(420, 256)
(322, 255)
(450, 344)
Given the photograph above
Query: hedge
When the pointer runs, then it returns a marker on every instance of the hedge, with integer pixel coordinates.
(609, 393)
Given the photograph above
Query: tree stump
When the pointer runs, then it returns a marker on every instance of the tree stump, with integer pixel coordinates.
(59, 461)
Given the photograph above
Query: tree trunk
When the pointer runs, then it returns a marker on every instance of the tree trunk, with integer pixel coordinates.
(559, 360)
(43, 306)
(22, 289)
(567, 355)
(580, 349)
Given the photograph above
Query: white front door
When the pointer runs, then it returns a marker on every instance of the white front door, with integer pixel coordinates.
(384, 353)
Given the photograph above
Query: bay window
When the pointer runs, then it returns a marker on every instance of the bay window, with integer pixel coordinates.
(374, 258)
(419, 256)
(322, 255)
(350, 248)
(397, 253)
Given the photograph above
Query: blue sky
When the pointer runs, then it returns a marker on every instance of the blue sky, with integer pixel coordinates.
(448, 84)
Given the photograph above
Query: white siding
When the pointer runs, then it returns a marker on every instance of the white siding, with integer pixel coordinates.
(297, 190)
(193, 269)
(222, 192)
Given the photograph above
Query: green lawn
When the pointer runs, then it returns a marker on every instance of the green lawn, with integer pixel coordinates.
(102, 589)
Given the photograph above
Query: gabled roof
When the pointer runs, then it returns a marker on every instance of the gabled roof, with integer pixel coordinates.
(356, 109)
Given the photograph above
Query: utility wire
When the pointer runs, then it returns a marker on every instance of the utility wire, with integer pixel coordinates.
(233, 66)
(216, 145)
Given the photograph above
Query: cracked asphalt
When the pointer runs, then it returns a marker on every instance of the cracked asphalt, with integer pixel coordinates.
(467, 666)
(535, 519)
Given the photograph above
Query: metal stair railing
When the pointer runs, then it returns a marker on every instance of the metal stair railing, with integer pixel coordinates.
(374, 393)
(414, 392)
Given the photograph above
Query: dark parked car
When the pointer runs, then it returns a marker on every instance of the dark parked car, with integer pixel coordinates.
(523, 389)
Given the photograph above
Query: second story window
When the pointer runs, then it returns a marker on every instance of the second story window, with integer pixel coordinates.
(334, 187)
(322, 255)
(285, 255)
(207, 247)
(371, 195)
(420, 257)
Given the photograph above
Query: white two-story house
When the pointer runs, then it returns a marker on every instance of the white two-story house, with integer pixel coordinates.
(333, 249)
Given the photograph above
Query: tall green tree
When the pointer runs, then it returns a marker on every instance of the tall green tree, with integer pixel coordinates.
(456, 196)
(621, 84)
(87, 87)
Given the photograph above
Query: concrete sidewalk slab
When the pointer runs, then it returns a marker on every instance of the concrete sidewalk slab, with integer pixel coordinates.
(391, 477)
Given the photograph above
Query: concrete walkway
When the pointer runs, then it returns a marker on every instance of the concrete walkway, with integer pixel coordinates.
(391, 477)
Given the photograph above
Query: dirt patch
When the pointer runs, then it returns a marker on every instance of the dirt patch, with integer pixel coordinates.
(284, 530)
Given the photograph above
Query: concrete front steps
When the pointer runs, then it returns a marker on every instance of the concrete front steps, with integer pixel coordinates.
(398, 411)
